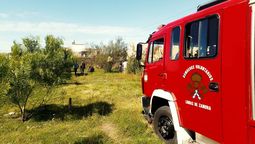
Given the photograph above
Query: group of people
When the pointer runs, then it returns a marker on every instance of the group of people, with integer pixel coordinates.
(82, 67)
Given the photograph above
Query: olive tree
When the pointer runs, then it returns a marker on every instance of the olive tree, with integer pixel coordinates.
(30, 66)
(32, 44)
(133, 65)
(112, 53)
(21, 84)
(52, 67)
(4, 68)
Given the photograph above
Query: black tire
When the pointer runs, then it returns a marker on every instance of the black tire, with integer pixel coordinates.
(163, 125)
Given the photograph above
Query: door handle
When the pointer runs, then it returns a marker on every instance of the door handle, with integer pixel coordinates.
(214, 87)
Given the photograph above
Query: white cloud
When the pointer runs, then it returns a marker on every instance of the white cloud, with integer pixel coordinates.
(62, 28)
(23, 14)
(4, 15)
(26, 14)
(11, 31)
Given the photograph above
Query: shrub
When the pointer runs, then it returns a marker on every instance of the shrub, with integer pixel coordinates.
(32, 66)
(111, 54)
(4, 68)
(133, 65)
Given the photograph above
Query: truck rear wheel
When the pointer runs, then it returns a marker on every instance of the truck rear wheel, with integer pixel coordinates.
(163, 125)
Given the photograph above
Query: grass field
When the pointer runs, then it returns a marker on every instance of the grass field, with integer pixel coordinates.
(106, 109)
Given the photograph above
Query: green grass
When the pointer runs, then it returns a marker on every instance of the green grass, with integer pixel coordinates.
(106, 109)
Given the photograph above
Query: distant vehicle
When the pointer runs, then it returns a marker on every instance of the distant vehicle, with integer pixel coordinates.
(199, 75)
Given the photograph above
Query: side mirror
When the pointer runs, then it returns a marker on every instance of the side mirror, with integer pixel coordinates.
(139, 51)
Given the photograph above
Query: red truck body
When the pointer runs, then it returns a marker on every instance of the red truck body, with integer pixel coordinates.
(206, 63)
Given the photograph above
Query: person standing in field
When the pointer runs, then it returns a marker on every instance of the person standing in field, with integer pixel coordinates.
(83, 66)
(120, 67)
(75, 66)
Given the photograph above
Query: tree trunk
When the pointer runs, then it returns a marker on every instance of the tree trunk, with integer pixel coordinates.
(23, 114)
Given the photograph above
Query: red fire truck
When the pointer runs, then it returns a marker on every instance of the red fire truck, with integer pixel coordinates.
(198, 75)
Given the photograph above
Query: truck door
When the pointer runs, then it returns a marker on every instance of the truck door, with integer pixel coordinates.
(153, 73)
(201, 78)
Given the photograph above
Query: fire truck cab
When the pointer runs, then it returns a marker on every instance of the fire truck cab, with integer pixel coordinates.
(198, 75)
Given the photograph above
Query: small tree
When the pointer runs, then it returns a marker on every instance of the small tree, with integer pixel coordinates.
(101, 60)
(58, 59)
(4, 68)
(31, 67)
(133, 65)
(53, 44)
(114, 50)
(16, 49)
(21, 84)
(31, 44)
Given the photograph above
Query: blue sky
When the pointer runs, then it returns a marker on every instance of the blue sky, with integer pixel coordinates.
(87, 21)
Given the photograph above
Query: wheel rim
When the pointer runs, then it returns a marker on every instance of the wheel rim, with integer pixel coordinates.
(166, 127)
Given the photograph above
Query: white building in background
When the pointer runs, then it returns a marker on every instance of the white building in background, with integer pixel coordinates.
(79, 49)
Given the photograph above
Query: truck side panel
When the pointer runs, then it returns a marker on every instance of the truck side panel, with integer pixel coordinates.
(235, 74)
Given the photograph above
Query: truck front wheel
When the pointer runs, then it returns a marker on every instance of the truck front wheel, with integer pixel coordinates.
(163, 125)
